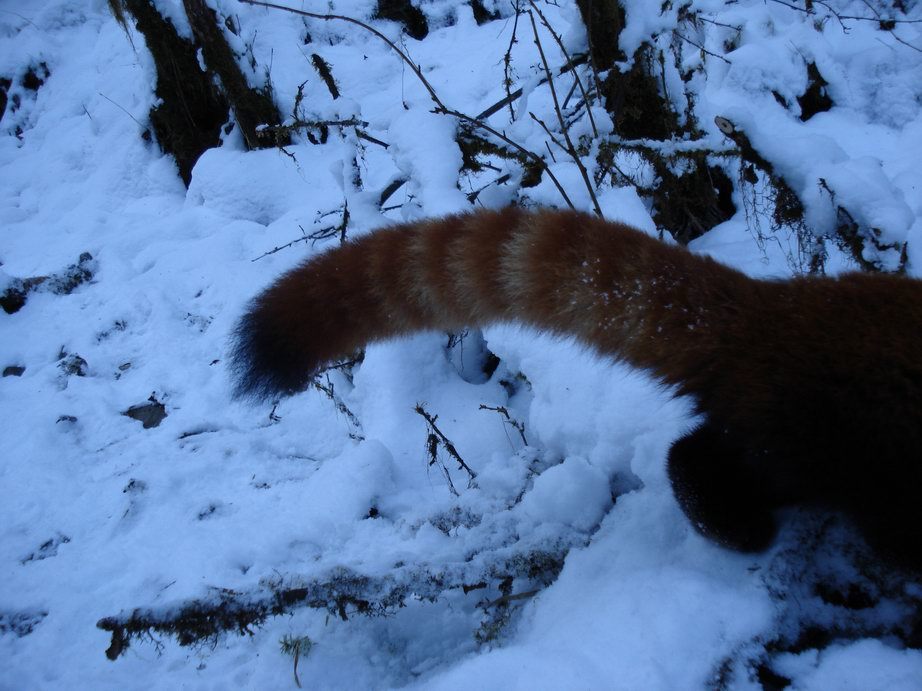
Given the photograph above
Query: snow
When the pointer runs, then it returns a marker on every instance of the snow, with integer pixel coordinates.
(865, 664)
(99, 515)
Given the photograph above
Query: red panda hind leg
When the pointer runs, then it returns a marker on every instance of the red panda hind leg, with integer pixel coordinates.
(721, 497)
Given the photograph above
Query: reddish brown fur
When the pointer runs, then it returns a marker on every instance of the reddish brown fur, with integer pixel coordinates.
(811, 388)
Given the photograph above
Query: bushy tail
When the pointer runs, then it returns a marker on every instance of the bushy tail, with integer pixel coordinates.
(609, 285)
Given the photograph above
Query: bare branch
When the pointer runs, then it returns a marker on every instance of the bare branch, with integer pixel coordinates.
(547, 131)
(517, 94)
(507, 64)
(508, 419)
(578, 81)
(339, 17)
(883, 23)
(340, 592)
(701, 48)
(563, 125)
(439, 106)
(330, 392)
(447, 444)
(518, 147)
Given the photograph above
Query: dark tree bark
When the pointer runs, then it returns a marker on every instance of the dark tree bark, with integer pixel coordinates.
(686, 203)
(252, 107)
(604, 20)
(192, 106)
(192, 109)
(403, 11)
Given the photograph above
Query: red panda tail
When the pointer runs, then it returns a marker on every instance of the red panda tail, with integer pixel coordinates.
(609, 285)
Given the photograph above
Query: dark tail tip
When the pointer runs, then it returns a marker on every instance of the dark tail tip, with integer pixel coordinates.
(265, 359)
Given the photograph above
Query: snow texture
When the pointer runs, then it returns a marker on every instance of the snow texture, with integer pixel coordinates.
(100, 514)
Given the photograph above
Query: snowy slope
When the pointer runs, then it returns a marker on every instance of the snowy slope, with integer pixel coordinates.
(100, 515)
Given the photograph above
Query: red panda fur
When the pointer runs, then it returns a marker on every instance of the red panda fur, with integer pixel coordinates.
(810, 388)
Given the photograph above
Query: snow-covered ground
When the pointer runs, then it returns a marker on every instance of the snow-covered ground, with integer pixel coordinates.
(100, 515)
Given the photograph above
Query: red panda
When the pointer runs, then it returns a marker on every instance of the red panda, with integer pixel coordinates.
(810, 388)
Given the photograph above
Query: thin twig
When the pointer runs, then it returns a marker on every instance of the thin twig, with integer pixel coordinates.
(905, 43)
(506, 599)
(304, 238)
(473, 194)
(701, 48)
(547, 131)
(297, 655)
(518, 147)
(579, 82)
(517, 94)
(330, 393)
(737, 29)
(322, 234)
(331, 17)
(508, 419)
(440, 108)
(569, 95)
(120, 107)
(362, 134)
(22, 17)
(445, 441)
(507, 61)
(563, 125)
(857, 18)
(841, 17)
